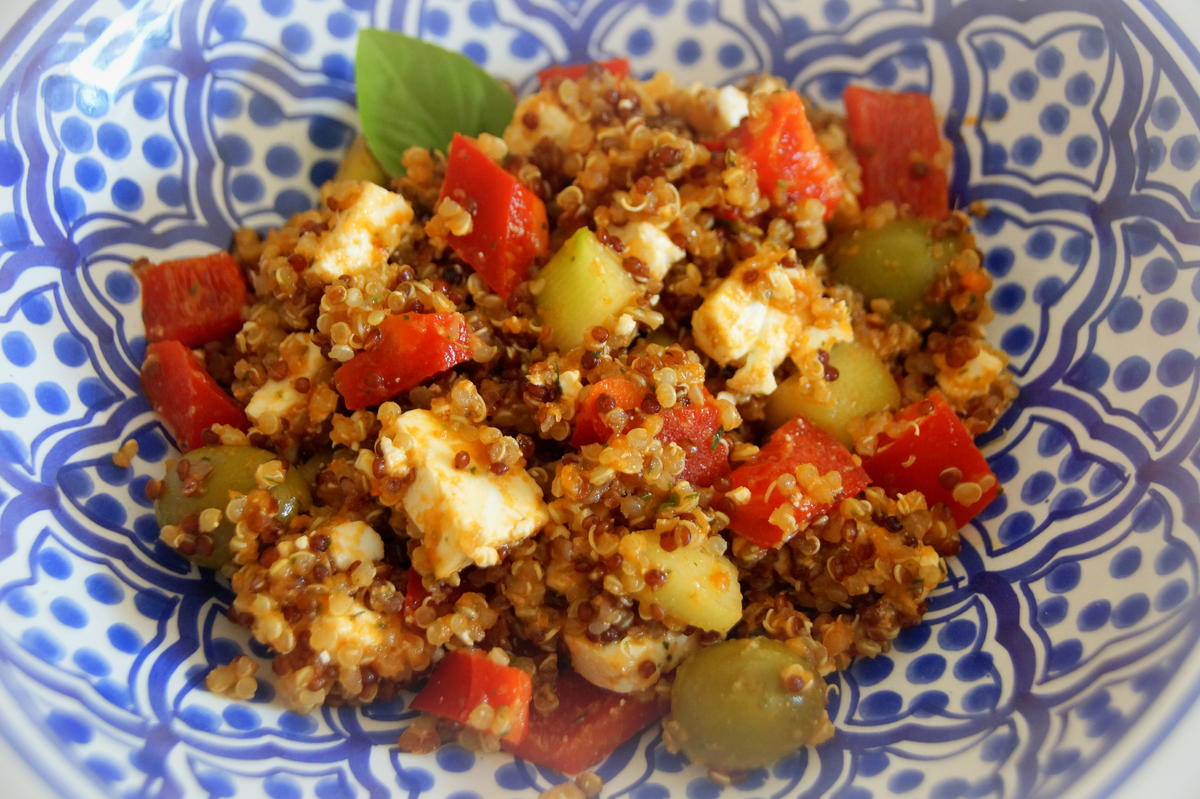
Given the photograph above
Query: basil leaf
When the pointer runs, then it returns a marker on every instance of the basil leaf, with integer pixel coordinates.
(415, 94)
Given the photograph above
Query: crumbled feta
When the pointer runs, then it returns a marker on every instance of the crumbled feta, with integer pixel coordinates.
(553, 123)
(279, 398)
(370, 222)
(463, 516)
(755, 325)
(617, 666)
(353, 541)
(570, 384)
(649, 244)
(732, 106)
(973, 378)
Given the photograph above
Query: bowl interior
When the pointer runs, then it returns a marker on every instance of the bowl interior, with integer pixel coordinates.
(1059, 650)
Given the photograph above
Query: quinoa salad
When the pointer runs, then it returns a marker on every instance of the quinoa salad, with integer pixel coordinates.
(646, 402)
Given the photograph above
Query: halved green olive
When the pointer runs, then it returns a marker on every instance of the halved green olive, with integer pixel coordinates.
(223, 470)
(896, 261)
(745, 703)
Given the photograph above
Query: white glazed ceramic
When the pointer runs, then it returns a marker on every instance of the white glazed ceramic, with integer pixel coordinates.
(1059, 655)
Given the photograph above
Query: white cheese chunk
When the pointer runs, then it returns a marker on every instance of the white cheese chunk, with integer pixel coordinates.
(370, 222)
(732, 106)
(463, 516)
(553, 123)
(973, 378)
(278, 397)
(353, 541)
(618, 666)
(756, 325)
(649, 244)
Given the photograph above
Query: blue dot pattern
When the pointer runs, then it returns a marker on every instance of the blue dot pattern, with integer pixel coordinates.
(1099, 312)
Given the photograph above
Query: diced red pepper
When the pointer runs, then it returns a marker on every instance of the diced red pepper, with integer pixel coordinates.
(412, 348)
(588, 724)
(619, 67)
(895, 135)
(933, 456)
(192, 300)
(780, 142)
(415, 594)
(695, 428)
(796, 443)
(589, 426)
(462, 681)
(184, 395)
(508, 221)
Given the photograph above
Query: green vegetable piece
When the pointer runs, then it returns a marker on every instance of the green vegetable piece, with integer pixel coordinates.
(583, 285)
(314, 466)
(700, 587)
(232, 470)
(359, 164)
(735, 709)
(864, 386)
(897, 261)
(415, 94)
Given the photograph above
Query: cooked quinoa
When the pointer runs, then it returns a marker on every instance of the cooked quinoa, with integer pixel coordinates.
(557, 566)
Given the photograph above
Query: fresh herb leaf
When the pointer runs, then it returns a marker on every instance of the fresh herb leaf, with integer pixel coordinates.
(415, 94)
(716, 438)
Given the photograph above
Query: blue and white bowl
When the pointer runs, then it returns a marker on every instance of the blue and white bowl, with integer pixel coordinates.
(1061, 650)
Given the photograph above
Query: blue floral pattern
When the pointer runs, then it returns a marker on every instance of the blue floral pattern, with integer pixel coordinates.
(1063, 643)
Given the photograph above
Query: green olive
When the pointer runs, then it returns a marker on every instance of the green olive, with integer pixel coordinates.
(314, 466)
(232, 471)
(734, 706)
(897, 261)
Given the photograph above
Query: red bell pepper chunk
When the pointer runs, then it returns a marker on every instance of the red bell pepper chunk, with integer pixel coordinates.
(412, 348)
(588, 724)
(184, 395)
(695, 428)
(780, 142)
(796, 443)
(193, 300)
(508, 228)
(462, 681)
(919, 459)
(895, 135)
(589, 426)
(619, 67)
(415, 594)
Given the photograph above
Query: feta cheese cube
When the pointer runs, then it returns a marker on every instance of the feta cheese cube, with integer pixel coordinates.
(462, 516)
(553, 123)
(732, 106)
(353, 541)
(617, 666)
(279, 398)
(973, 377)
(370, 222)
(651, 245)
(755, 325)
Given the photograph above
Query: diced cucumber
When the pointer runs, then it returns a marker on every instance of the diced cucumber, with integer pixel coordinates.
(701, 588)
(583, 285)
(897, 261)
(864, 386)
(359, 164)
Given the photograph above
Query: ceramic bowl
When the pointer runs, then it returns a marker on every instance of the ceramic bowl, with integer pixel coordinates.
(1060, 651)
